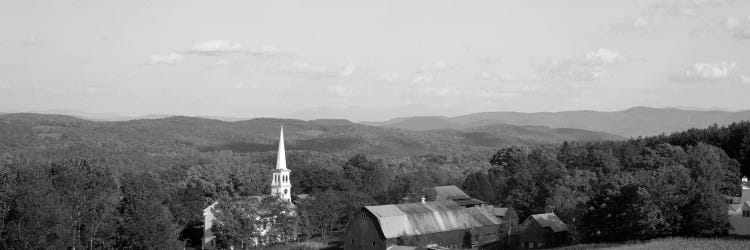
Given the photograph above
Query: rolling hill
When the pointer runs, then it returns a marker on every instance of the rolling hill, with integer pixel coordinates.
(633, 122)
(179, 133)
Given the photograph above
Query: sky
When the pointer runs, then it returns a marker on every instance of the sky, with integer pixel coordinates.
(371, 60)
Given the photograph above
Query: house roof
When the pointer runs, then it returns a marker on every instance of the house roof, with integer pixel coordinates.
(500, 211)
(449, 193)
(429, 217)
(401, 248)
(470, 201)
(550, 220)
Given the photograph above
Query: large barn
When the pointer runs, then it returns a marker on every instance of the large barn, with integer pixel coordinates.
(445, 223)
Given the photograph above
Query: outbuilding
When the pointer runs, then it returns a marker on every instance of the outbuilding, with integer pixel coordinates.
(540, 230)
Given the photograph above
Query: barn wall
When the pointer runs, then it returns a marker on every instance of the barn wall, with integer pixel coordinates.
(363, 233)
(455, 239)
(531, 231)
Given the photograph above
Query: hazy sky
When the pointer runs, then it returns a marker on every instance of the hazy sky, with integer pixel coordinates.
(369, 60)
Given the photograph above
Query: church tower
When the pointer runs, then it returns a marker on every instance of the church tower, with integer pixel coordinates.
(280, 184)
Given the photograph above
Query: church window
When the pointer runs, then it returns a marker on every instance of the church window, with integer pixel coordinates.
(364, 216)
(373, 242)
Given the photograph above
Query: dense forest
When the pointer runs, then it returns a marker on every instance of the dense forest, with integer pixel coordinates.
(142, 184)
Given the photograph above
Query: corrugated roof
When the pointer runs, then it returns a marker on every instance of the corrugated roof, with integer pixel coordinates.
(470, 201)
(550, 220)
(449, 193)
(500, 211)
(401, 248)
(429, 217)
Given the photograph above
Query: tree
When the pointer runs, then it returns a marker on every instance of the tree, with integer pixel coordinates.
(478, 186)
(144, 222)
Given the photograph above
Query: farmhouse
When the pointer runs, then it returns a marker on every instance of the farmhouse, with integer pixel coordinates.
(739, 211)
(543, 230)
(444, 223)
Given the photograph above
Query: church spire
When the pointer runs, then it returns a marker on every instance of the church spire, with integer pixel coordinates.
(281, 159)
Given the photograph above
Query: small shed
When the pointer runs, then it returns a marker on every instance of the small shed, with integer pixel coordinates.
(541, 230)
(739, 219)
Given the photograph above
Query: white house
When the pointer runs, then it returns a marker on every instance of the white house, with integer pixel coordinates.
(280, 186)
(739, 211)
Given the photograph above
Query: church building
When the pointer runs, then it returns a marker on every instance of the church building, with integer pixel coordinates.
(280, 186)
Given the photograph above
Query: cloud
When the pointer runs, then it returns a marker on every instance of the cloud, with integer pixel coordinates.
(216, 46)
(423, 78)
(740, 29)
(170, 59)
(603, 57)
(430, 73)
(588, 67)
(708, 71)
(227, 47)
(239, 85)
(310, 70)
(745, 80)
(348, 69)
(341, 91)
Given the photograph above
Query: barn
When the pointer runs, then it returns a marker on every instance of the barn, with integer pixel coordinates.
(540, 230)
(445, 223)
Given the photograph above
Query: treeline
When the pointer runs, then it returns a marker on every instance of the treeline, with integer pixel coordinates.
(59, 203)
(632, 190)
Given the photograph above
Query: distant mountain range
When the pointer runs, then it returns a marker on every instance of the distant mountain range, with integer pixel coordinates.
(260, 135)
(633, 122)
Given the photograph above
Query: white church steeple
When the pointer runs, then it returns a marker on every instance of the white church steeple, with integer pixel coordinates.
(281, 159)
(281, 184)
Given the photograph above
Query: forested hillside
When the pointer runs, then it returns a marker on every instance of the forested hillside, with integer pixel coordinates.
(68, 182)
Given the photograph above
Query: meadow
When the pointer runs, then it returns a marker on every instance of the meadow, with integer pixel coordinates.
(669, 243)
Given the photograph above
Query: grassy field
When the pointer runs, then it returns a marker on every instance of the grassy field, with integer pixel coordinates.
(671, 243)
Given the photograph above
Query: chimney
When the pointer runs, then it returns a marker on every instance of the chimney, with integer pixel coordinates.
(422, 199)
(549, 209)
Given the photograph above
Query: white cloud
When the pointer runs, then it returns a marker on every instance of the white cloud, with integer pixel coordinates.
(216, 46)
(710, 71)
(339, 90)
(227, 47)
(640, 22)
(732, 23)
(348, 69)
(306, 69)
(389, 77)
(745, 80)
(589, 67)
(171, 58)
(743, 33)
(423, 78)
(238, 85)
(603, 57)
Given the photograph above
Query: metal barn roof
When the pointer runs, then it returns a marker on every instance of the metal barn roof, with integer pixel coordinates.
(500, 211)
(449, 193)
(429, 217)
(550, 220)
